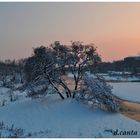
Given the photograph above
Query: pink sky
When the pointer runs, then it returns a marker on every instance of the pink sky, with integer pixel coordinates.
(113, 27)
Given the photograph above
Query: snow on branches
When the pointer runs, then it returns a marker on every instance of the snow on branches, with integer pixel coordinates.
(97, 92)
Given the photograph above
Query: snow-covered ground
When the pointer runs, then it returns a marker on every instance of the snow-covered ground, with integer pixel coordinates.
(7, 93)
(120, 78)
(54, 117)
(64, 118)
(4, 93)
(127, 90)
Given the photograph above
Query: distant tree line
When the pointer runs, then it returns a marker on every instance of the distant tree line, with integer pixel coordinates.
(11, 72)
(132, 66)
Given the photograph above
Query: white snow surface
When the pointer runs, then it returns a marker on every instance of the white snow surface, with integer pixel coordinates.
(120, 78)
(64, 118)
(4, 94)
(127, 90)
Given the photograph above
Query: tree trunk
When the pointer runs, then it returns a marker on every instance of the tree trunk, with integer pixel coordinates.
(68, 92)
(76, 85)
(76, 79)
(55, 87)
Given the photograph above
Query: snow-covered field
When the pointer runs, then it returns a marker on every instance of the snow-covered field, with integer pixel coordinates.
(127, 90)
(120, 78)
(53, 117)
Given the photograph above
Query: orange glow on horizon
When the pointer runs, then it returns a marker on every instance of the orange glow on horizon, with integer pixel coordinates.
(114, 27)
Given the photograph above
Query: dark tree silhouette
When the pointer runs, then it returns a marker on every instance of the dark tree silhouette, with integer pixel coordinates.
(81, 56)
(51, 63)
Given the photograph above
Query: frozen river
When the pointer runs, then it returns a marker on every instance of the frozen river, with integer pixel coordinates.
(127, 90)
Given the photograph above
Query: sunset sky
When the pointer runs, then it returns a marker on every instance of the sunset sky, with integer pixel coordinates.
(113, 27)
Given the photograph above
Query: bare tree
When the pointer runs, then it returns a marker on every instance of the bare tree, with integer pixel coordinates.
(45, 64)
(51, 63)
(80, 57)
